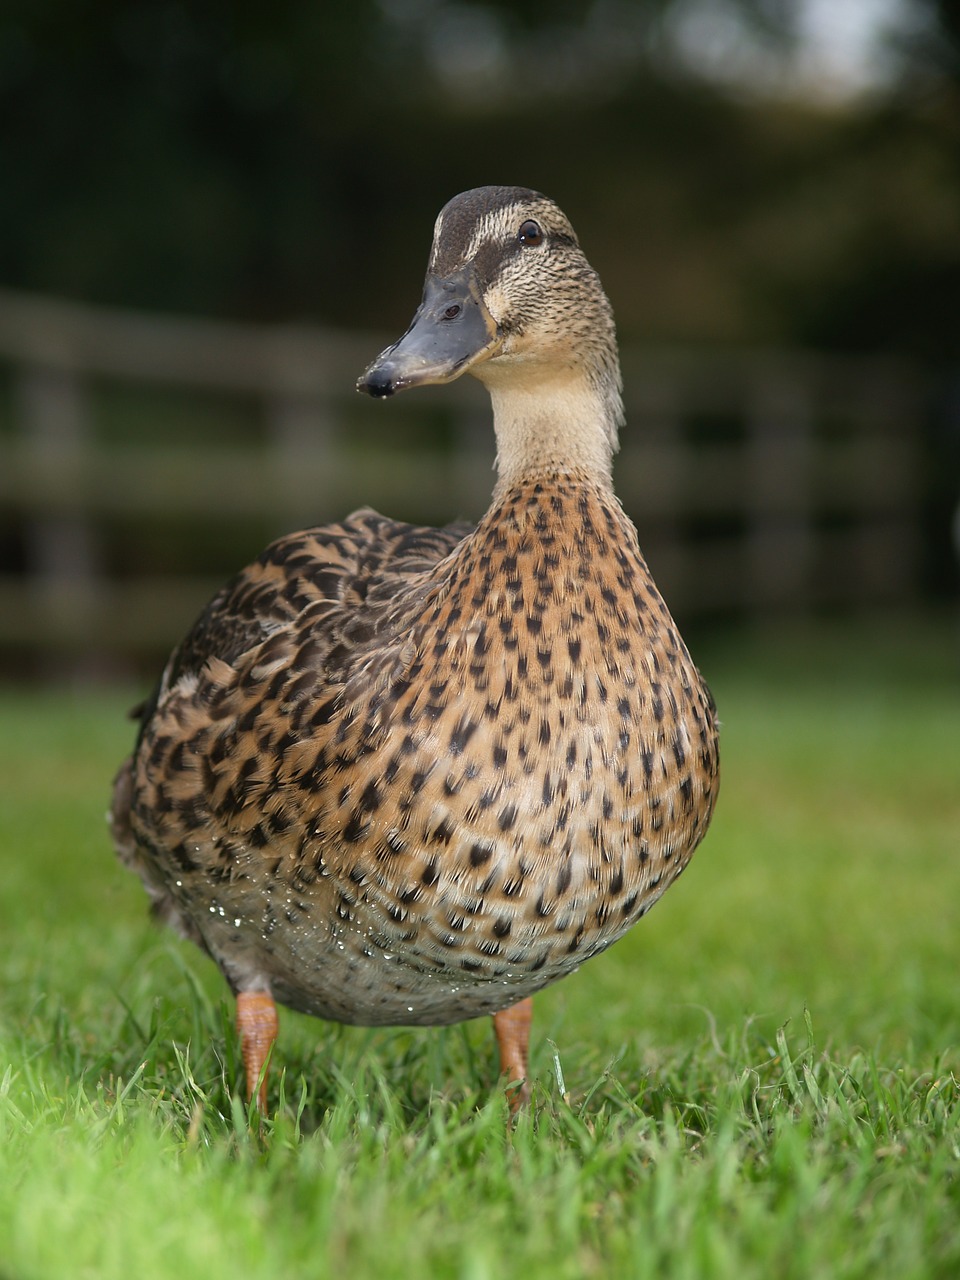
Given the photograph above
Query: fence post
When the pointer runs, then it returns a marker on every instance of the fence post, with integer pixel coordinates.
(473, 459)
(651, 478)
(301, 427)
(780, 534)
(62, 554)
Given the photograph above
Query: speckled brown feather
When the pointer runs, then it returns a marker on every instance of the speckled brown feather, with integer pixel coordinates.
(398, 775)
(420, 805)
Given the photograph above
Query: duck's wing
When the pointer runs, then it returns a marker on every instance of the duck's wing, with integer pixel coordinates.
(322, 592)
(352, 570)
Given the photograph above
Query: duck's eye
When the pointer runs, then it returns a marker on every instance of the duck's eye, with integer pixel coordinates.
(530, 233)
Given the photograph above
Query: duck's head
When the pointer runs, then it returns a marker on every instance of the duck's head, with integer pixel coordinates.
(510, 298)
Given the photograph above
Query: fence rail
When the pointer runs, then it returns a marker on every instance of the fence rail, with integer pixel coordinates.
(760, 480)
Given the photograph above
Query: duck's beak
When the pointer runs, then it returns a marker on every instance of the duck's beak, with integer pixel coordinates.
(451, 331)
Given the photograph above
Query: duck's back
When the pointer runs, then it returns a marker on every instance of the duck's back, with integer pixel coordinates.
(410, 776)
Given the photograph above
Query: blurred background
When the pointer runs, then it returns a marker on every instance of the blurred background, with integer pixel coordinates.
(213, 215)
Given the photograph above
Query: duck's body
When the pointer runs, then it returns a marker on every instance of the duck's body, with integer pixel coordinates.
(410, 776)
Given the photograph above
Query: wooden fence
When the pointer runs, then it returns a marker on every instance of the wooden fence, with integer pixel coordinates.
(761, 481)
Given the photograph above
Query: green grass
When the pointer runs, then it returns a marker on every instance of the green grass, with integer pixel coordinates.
(761, 1081)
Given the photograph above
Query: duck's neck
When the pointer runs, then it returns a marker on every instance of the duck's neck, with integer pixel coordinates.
(561, 421)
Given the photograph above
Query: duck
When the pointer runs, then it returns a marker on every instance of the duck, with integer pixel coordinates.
(409, 776)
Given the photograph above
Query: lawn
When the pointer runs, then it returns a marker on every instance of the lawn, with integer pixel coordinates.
(761, 1081)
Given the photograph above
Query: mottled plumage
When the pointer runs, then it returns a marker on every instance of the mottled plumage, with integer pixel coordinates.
(398, 775)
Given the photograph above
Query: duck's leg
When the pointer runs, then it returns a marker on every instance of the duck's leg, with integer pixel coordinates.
(512, 1028)
(257, 1025)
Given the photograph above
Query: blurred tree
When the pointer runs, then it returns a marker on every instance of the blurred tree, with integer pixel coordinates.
(930, 44)
(286, 160)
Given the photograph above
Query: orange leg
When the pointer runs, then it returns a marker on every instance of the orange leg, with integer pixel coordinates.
(512, 1028)
(257, 1025)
